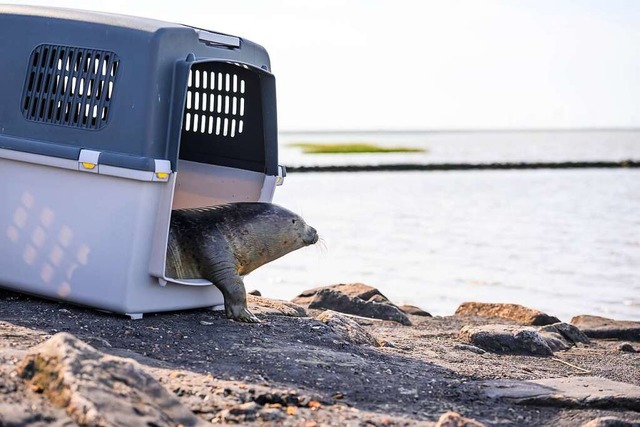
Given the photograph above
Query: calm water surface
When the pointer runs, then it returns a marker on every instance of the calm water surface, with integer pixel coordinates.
(564, 241)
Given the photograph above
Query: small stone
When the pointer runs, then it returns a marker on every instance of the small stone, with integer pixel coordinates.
(245, 412)
(314, 404)
(292, 410)
(274, 405)
(626, 347)
(270, 414)
(453, 419)
(246, 408)
(255, 293)
(602, 327)
(515, 312)
(471, 348)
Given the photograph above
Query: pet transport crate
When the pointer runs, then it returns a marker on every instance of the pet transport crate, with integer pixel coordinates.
(109, 122)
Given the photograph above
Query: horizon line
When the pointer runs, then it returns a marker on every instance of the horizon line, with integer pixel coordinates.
(462, 130)
(433, 167)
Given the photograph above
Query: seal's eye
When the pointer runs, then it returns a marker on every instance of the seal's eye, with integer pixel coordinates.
(293, 221)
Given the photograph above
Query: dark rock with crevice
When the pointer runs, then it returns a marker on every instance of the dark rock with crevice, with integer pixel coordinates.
(506, 339)
(355, 290)
(518, 339)
(568, 332)
(357, 299)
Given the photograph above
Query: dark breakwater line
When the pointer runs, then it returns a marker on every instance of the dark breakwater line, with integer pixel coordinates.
(464, 166)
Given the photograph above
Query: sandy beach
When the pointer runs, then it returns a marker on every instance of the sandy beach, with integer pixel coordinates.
(300, 371)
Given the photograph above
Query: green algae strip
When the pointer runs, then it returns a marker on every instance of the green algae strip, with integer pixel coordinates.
(350, 148)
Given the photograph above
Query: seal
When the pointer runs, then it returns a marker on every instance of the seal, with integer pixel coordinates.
(225, 242)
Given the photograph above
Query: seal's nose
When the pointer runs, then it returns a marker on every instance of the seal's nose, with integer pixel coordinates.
(311, 236)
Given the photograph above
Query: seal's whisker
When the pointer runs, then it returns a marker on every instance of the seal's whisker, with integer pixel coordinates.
(322, 245)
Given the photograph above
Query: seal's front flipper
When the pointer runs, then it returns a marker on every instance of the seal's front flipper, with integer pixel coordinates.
(245, 315)
(235, 297)
(239, 312)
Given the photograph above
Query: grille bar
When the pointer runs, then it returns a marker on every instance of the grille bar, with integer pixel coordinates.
(215, 103)
(70, 86)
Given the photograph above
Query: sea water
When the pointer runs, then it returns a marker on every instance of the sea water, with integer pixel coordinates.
(469, 147)
(563, 241)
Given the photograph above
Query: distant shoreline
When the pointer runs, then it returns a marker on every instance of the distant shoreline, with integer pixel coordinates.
(441, 131)
(465, 166)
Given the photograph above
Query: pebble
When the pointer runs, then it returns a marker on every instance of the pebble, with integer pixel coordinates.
(471, 348)
(626, 347)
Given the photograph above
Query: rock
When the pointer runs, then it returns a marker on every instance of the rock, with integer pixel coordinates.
(413, 310)
(245, 412)
(270, 415)
(555, 341)
(347, 329)
(98, 389)
(337, 301)
(375, 298)
(471, 348)
(569, 332)
(626, 347)
(355, 290)
(255, 293)
(516, 312)
(262, 305)
(26, 415)
(611, 422)
(562, 336)
(357, 299)
(581, 392)
(506, 339)
(602, 327)
(453, 419)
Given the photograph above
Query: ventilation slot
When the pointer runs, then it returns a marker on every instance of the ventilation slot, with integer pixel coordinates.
(215, 103)
(70, 86)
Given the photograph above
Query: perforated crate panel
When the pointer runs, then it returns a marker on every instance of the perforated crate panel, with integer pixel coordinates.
(222, 121)
(69, 86)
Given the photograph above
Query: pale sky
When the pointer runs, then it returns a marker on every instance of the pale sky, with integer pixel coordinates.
(448, 64)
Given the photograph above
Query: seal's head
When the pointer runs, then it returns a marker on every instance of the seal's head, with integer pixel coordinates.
(266, 232)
